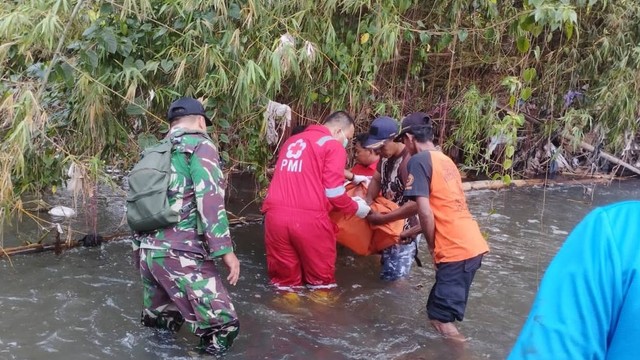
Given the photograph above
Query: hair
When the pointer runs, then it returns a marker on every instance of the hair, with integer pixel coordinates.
(339, 119)
(298, 129)
(360, 139)
(423, 133)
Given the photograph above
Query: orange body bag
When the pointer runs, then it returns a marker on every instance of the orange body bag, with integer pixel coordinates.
(360, 236)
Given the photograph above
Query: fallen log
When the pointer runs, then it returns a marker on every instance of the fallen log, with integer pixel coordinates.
(605, 155)
(59, 246)
(499, 184)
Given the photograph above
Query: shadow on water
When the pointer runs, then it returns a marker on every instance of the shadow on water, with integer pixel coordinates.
(85, 303)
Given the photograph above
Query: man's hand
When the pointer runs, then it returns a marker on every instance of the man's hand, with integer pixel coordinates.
(376, 218)
(363, 209)
(233, 265)
(411, 232)
(361, 179)
(405, 238)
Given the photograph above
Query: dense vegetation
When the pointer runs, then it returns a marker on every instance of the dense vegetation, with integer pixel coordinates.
(88, 82)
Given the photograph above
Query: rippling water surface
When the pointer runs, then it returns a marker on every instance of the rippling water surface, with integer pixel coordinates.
(85, 303)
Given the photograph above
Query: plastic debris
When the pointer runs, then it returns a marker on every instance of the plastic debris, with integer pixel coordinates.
(62, 211)
(276, 116)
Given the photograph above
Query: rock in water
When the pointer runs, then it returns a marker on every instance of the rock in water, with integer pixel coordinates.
(62, 211)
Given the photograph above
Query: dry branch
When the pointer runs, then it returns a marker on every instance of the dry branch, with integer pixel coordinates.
(36, 248)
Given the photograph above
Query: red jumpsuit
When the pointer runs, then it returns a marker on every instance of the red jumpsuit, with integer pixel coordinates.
(308, 182)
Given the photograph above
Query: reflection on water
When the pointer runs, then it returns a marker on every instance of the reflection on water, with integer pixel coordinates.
(85, 303)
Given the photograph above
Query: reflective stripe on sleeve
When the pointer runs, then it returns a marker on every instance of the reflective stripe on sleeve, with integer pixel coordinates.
(335, 192)
(323, 140)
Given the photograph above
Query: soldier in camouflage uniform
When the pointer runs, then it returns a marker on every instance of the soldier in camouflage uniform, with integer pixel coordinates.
(390, 179)
(180, 280)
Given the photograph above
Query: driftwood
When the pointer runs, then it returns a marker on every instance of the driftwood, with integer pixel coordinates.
(499, 184)
(582, 144)
(605, 155)
(59, 246)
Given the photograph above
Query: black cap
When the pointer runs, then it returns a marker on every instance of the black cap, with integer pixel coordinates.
(187, 106)
(413, 122)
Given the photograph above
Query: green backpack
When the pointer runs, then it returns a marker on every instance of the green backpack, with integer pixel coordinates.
(147, 200)
(148, 206)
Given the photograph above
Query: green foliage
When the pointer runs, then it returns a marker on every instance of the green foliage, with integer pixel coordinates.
(122, 62)
(507, 131)
(476, 117)
(597, 56)
(575, 122)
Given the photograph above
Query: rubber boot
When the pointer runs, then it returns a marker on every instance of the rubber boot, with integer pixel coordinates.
(169, 320)
(217, 341)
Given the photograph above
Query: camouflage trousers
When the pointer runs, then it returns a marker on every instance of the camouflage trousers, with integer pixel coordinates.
(397, 259)
(183, 287)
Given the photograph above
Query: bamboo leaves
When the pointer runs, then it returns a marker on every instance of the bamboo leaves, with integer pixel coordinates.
(476, 115)
(177, 77)
(553, 14)
(370, 57)
(247, 82)
(13, 25)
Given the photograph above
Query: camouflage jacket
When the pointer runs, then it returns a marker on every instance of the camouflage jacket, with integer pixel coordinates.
(196, 178)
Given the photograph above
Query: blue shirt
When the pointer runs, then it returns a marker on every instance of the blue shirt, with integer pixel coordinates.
(588, 304)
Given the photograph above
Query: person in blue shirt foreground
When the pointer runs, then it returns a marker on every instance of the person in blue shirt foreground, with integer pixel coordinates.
(588, 304)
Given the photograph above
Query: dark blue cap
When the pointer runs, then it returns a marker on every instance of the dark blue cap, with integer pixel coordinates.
(187, 106)
(382, 128)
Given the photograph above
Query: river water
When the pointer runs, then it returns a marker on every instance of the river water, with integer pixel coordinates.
(85, 303)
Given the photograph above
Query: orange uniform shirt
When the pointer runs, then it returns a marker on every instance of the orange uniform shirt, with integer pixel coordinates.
(457, 235)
